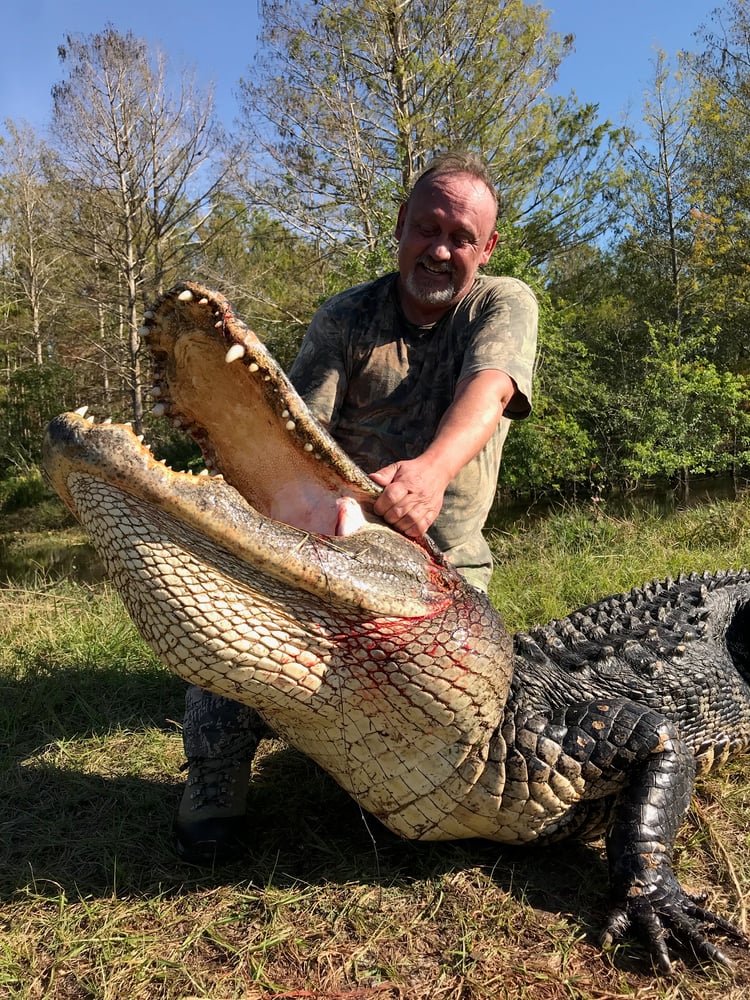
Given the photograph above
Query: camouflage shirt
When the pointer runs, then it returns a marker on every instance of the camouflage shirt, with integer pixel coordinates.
(381, 386)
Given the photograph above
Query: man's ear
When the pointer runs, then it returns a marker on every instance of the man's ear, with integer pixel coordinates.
(401, 220)
(489, 247)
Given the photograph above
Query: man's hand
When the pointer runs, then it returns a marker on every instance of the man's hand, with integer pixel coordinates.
(413, 490)
(412, 496)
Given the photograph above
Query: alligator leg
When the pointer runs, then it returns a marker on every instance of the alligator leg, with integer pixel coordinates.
(635, 777)
(623, 737)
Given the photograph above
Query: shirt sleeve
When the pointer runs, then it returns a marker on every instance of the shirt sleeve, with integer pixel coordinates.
(320, 372)
(502, 335)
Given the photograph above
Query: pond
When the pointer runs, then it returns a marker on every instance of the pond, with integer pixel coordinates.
(30, 558)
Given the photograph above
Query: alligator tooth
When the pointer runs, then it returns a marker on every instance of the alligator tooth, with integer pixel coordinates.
(252, 367)
(235, 352)
(284, 414)
(140, 438)
(219, 325)
(203, 472)
(308, 447)
(82, 411)
(107, 420)
(159, 409)
(186, 296)
(89, 420)
(203, 301)
(290, 425)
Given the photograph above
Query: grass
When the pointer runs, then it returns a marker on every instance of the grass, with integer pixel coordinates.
(329, 905)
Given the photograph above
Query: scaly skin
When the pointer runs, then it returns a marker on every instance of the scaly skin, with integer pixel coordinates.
(277, 585)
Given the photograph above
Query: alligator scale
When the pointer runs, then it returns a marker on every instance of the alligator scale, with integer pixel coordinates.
(275, 584)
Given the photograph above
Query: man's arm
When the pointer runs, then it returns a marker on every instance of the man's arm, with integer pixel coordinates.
(413, 490)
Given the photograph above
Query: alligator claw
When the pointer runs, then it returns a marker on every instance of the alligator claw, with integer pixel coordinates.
(663, 915)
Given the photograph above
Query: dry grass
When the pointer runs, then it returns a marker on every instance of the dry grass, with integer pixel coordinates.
(329, 906)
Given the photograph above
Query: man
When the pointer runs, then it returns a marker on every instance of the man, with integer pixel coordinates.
(416, 375)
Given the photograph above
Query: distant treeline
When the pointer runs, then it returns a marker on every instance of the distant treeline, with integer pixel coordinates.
(637, 241)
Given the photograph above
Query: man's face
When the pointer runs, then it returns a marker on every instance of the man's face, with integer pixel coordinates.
(446, 231)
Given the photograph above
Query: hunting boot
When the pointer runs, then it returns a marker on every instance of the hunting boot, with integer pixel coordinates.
(220, 738)
(211, 822)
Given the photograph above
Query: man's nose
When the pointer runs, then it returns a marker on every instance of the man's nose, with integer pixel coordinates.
(439, 249)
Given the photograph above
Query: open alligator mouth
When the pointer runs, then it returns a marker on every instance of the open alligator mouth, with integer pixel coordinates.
(281, 493)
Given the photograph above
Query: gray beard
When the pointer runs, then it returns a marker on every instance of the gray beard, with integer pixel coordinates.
(430, 296)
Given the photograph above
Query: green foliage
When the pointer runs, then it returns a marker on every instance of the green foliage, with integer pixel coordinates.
(34, 395)
(511, 257)
(554, 450)
(697, 417)
(28, 489)
(548, 453)
(177, 449)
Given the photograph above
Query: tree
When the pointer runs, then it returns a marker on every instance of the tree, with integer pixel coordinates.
(661, 191)
(721, 165)
(29, 207)
(137, 156)
(348, 103)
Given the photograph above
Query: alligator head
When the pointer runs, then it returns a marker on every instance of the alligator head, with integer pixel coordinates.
(274, 583)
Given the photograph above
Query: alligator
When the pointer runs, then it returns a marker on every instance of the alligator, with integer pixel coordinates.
(271, 580)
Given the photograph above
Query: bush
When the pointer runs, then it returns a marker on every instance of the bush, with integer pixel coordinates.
(27, 489)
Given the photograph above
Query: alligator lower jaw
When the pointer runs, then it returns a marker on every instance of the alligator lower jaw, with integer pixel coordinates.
(97, 468)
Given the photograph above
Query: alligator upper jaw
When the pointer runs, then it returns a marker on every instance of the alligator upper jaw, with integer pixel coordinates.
(373, 569)
(215, 380)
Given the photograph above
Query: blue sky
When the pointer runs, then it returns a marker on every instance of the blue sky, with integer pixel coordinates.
(615, 44)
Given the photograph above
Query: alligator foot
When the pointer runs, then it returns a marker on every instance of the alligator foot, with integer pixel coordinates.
(659, 912)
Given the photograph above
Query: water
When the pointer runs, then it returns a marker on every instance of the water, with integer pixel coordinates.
(28, 560)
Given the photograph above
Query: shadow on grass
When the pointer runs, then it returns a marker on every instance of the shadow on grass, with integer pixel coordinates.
(90, 782)
(46, 702)
(89, 835)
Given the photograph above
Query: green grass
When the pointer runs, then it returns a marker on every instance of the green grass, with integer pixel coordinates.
(546, 567)
(94, 906)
